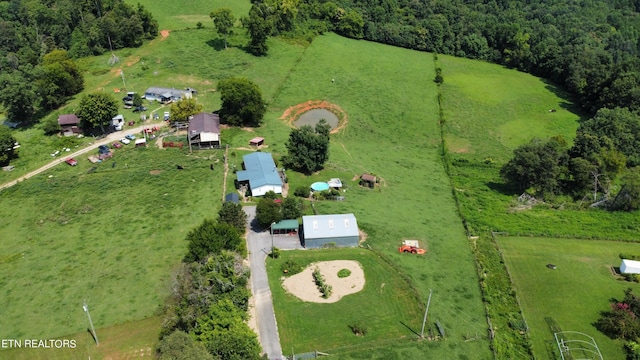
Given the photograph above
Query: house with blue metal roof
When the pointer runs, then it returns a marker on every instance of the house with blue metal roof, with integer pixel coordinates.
(339, 230)
(260, 174)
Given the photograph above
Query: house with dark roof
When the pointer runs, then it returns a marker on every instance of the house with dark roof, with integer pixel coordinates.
(260, 174)
(165, 95)
(70, 124)
(339, 230)
(204, 131)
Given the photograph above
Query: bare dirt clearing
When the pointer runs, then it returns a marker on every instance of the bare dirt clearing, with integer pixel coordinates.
(303, 286)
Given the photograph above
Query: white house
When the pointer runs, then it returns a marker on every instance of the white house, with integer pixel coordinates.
(260, 174)
(630, 267)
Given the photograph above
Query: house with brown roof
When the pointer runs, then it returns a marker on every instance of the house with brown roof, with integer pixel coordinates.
(204, 131)
(69, 123)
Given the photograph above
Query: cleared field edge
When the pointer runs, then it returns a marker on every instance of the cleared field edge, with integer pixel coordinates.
(581, 282)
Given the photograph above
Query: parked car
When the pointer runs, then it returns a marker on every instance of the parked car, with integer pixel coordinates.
(103, 149)
(71, 161)
(125, 141)
(117, 145)
(140, 108)
(166, 115)
(130, 137)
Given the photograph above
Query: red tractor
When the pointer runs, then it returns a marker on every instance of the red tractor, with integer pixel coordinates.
(411, 246)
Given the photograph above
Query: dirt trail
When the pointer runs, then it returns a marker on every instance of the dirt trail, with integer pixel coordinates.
(115, 136)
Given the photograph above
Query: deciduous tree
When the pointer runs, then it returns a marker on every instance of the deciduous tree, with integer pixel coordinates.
(211, 237)
(223, 19)
(242, 103)
(180, 346)
(308, 150)
(233, 214)
(539, 164)
(267, 212)
(97, 110)
(182, 109)
(7, 141)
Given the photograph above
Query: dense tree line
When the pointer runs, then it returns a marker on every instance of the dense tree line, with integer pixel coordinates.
(606, 151)
(205, 317)
(589, 47)
(40, 38)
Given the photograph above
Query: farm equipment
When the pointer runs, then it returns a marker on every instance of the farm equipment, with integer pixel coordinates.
(411, 246)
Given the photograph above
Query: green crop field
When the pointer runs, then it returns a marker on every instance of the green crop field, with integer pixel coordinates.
(574, 294)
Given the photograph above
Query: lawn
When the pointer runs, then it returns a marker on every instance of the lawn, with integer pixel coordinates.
(574, 294)
(387, 307)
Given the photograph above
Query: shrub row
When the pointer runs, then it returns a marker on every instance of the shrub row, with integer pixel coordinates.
(324, 288)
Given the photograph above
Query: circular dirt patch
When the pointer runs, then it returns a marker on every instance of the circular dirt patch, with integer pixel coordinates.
(303, 286)
(155, 172)
(294, 113)
(312, 117)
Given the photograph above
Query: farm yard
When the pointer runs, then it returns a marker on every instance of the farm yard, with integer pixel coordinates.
(112, 233)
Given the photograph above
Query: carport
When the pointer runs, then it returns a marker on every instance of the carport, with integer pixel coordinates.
(289, 226)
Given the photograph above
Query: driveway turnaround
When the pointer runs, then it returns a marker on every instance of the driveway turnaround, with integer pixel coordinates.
(259, 245)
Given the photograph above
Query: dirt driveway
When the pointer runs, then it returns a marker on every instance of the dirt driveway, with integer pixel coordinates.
(115, 136)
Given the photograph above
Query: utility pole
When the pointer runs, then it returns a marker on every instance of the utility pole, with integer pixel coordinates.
(93, 330)
(271, 231)
(425, 314)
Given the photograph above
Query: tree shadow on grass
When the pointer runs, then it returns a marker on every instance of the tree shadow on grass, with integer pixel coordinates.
(217, 44)
(503, 188)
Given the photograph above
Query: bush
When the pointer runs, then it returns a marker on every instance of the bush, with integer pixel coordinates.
(358, 328)
(302, 191)
(343, 273)
(324, 288)
(275, 253)
(291, 267)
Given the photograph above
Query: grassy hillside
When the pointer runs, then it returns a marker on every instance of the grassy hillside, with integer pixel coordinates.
(113, 236)
(390, 98)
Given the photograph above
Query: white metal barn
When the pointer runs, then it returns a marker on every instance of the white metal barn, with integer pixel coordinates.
(630, 267)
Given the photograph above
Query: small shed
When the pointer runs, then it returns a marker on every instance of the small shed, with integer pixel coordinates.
(340, 230)
(288, 226)
(142, 142)
(69, 123)
(630, 267)
(256, 141)
(232, 197)
(368, 180)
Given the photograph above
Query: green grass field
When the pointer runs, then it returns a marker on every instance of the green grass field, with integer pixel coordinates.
(387, 306)
(114, 235)
(574, 294)
(111, 237)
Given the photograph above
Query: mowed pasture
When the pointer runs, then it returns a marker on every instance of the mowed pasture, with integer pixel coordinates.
(573, 294)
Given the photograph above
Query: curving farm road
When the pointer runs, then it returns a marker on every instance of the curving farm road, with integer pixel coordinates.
(115, 136)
